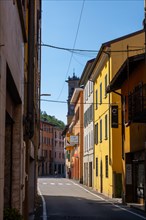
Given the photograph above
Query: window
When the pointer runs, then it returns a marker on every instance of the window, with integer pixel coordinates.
(89, 142)
(84, 144)
(87, 92)
(71, 90)
(92, 139)
(44, 127)
(85, 95)
(50, 154)
(106, 166)
(96, 166)
(77, 115)
(105, 83)
(100, 93)
(106, 127)
(85, 119)
(101, 130)
(91, 86)
(91, 112)
(96, 101)
(96, 133)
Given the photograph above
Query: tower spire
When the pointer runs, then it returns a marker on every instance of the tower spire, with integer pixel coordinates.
(73, 72)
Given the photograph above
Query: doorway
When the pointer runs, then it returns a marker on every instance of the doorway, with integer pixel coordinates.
(8, 161)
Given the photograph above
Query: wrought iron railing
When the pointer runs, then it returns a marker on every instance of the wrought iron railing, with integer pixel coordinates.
(137, 104)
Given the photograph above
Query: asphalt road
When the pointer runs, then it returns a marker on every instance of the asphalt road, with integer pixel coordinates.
(65, 199)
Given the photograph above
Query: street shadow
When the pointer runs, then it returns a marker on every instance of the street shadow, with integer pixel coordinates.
(78, 208)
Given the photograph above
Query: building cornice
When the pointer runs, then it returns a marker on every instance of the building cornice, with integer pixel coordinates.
(75, 95)
(99, 63)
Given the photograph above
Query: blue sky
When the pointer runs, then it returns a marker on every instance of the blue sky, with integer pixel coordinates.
(100, 21)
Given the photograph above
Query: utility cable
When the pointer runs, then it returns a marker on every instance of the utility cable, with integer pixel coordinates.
(73, 48)
(79, 51)
(83, 103)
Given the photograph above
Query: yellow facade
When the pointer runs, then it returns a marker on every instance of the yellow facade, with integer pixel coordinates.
(106, 157)
(108, 160)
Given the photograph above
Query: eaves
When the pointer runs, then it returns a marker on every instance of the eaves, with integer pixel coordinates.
(105, 50)
(75, 95)
(86, 72)
(99, 62)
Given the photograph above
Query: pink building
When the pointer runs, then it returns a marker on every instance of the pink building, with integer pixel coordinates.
(51, 151)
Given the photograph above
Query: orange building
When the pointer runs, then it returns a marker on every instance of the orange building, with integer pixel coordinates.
(76, 128)
(131, 79)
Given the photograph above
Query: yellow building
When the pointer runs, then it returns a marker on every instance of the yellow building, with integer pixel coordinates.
(108, 146)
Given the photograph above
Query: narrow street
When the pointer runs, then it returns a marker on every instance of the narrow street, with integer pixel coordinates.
(66, 199)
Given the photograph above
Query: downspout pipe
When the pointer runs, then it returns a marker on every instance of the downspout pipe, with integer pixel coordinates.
(30, 83)
(39, 49)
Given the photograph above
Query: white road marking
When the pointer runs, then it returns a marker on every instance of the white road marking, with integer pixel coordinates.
(44, 205)
(44, 183)
(60, 184)
(99, 197)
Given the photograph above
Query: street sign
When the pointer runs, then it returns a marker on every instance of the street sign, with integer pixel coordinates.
(74, 139)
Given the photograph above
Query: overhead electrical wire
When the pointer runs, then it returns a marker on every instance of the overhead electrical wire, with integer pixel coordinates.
(79, 51)
(73, 48)
(68, 49)
(95, 0)
(84, 103)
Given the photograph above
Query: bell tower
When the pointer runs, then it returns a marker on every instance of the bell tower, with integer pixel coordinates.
(73, 82)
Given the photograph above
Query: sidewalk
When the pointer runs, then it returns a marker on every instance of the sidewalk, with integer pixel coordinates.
(117, 200)
(136, 206)
(38, 209)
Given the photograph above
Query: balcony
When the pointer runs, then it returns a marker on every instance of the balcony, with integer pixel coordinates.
(137, 104)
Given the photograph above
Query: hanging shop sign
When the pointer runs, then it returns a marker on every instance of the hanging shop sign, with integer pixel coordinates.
(74, 139)
(114, 116)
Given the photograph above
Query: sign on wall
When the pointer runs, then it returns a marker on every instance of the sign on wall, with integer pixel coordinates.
(74, 139)
(128, 174)
(114, 116)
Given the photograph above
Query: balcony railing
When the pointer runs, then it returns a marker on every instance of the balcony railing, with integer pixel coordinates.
(137, 104)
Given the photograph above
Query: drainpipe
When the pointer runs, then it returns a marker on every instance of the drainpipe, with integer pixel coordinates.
(109, 66)
(145, 26)
(30, 101)
(110, 163)
(30, 83)
(145, 146)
